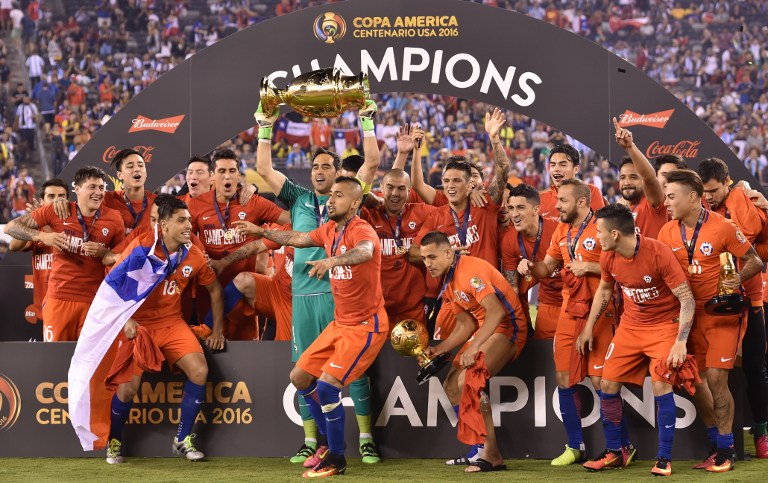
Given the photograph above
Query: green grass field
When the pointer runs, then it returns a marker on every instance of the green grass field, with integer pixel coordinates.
(278, 469)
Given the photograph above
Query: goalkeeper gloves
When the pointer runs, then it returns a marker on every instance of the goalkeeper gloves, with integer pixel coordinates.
(265, 121)
(366, 115)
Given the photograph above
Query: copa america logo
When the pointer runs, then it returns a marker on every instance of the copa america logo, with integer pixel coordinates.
(10, 403)
(330, 27)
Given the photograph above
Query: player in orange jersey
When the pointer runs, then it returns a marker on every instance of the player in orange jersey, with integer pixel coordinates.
(574, 247)
(521, 247)
(563, 165)
(735, 205)
(42, 255)
(79, 242)
(132, 201)
(698, 237)
(349, 345)
(654, 328)
(161, 315)
(489, 320)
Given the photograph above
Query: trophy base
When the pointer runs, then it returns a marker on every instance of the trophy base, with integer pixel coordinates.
(725, 304)
(434, 366)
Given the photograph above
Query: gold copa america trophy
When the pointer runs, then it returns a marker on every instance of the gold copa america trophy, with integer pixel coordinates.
(727, 301)
(320, 93)
(410, 338)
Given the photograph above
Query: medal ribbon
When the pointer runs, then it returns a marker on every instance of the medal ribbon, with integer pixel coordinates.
(396, 230)
(691, 248)
(86, 231)
(461, 228)
(337, 240)
(572, 245)
(321, 218)
(181, 254)
(536, 245)
(225, 218)
(129, 205)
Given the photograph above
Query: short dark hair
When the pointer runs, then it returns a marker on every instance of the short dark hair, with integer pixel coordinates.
(617, 217)
(117, 161)
(625, 160)
(436, 238)
(713, 168)
(571, 152)
(86, 172)
(580, 188)
(200, 159)
(54, 182)
(336, 159)
(528, 192)
(675, 159)
(353, 163)
(350, 181)
(688, 178)
(458, 164)
(167, 205)
(223, 154)
(477, 167)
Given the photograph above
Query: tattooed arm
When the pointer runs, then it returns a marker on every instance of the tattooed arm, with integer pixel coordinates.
(512, 277)
(255, 247)
(687, 306)
(501, 166)
(362, 252)
(600, 302)
(25, 228)
(296, 239)
(751, 265)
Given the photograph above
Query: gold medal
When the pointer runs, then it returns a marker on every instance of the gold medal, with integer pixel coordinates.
(528, 278)
(691, 269)
(400, 250)
(229, 235)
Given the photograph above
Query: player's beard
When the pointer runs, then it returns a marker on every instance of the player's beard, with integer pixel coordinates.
(632, 195)
(569, 216)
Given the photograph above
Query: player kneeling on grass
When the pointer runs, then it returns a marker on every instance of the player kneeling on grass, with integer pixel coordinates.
(654, 328)
(160, 318)
(489, 323)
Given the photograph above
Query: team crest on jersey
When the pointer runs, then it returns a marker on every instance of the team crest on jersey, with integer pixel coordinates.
(647, 279)
(740, 237)
(412, 225)
(105, 231)
(186, 271)
(706, 248)
(589, 244)
(477, 284)
(241, 215)
(343, 249)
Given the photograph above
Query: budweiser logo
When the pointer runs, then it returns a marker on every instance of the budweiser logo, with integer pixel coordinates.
(169, 124)
(145, 151)
(686, 149)
(656, 119)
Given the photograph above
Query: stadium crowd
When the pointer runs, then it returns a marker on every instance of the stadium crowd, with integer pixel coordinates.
(460, 260)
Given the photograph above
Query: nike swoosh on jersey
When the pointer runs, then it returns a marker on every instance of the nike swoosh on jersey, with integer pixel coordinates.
(676, 249)
(336, 366)
(378, 226)
(723, 359)
(544, 214)
(309, 206)
(562, 244)
(206, 217)
(598, 367)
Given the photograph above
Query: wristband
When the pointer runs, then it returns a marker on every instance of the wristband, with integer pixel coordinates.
(366, 123)
(265, 133)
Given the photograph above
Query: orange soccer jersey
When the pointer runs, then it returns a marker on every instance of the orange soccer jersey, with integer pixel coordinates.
(548, 200)
(702, 263)
(402, 283)
(213, 221)
(163, 306)
(646, 282)
(74, 275)
(356, 288)
(42, 260)
(648, 219)
(512, 250)
(134, 213)
(582, 239)
(473, 279)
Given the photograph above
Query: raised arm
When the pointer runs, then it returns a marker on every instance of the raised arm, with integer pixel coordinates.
(425, 192)
(275, 179)
(493, 123)
(405, 145)
(367, 171)
(651, 186)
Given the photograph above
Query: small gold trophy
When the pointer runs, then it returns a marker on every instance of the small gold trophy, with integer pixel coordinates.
(320, 93)
(726, 302)
(410, 338)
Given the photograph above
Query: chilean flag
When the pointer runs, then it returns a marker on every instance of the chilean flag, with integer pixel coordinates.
(121, 293)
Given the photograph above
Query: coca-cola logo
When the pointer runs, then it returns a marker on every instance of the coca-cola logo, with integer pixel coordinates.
(654, 119)
(168, 124)
(686, 149)
(111, 152)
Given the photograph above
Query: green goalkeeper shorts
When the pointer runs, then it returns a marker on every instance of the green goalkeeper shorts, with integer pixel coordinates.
(311, 315)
